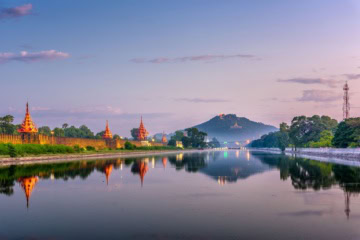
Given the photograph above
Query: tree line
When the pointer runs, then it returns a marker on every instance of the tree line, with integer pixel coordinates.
(7, 127)
(193, 137)
(313, 132)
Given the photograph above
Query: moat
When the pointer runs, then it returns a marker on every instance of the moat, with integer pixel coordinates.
(201, 195)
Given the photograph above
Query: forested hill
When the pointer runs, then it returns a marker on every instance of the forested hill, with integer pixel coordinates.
(232, 128)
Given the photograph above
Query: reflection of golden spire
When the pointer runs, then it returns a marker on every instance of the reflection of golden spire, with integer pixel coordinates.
(143, 168)
(28, 185)
(108, 170)
(27, 125)
(107, 134)
(164, 161)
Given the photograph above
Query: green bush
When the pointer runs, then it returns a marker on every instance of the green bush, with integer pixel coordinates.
(78, 149)
(12, 151)
(4, 149)
(129, 146)
(90, 148)
(33, 149)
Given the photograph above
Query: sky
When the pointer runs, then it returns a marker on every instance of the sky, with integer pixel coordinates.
(176, 63)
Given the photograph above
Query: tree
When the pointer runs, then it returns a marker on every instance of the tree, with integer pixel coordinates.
(59, 132)
(81, 132)
(347, 134)
(6, 126)
(284, 127)
(99, 135)
(116, 136)
(45, 130)
(134, 133)
(325, 140)
(186, 141)
(178, 135)
(283, 140)
(86, 132)
(129, 146)
(172, 142)
(197, 138)
(306, 129)
(65, 125)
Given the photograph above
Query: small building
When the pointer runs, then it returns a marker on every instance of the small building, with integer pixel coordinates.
(179, 144)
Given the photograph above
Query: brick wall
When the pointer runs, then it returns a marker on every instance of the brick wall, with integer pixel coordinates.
(82, 142)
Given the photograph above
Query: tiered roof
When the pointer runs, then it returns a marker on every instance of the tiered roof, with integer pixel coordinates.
(107, 134)
(28, 126)
(142, 134)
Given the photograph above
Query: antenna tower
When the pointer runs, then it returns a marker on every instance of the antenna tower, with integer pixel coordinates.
(346, 105)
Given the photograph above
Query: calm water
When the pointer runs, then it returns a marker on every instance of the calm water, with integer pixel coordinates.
(207, 195)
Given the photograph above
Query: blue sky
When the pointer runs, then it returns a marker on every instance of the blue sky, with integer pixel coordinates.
(177, 63)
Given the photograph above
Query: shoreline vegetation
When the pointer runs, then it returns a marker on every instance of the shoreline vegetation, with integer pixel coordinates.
(313, 132)
(31, 150)
(53, 158)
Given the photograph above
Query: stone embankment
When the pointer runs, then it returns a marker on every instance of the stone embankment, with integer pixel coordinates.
(343, 155)
(6, 161)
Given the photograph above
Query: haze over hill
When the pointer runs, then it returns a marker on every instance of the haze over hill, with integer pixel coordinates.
(232, 128)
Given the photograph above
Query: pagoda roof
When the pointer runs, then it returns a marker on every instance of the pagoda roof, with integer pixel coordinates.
(27, 126)
(107, 134)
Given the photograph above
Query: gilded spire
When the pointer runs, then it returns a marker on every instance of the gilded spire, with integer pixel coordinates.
(27, 126)
(28, 185)
(142, 134)
(163, 139)
(107, 134)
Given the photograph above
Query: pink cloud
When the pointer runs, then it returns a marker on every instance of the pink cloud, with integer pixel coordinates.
(25, 56)
(15, 12)
(319, 96)
(307, 81)
(197, 58)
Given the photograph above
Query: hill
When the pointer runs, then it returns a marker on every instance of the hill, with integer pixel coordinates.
(232, 128)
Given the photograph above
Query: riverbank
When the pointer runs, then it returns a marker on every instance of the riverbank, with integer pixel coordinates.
(347, 156)
(6, 161)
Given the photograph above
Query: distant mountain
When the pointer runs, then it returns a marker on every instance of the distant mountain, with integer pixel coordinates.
(232, 128)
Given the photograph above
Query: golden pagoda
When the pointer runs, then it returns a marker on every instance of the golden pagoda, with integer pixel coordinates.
(28, 185)
(142, 133)
(163, 139)
(108, 170)
(28, 125)
(143, 170)
(107, 134)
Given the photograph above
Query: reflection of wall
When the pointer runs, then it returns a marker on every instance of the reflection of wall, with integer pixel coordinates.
(82, 142)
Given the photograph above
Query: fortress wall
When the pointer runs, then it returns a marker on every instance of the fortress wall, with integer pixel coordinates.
(81, 142)
(14, 139)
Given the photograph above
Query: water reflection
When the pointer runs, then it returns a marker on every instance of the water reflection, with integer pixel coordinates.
(306, 173)
(223, 168)
(28, 184)
(140, 167)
